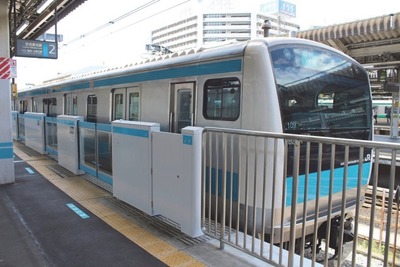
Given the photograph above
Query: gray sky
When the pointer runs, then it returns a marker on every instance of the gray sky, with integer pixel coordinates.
(89, 38)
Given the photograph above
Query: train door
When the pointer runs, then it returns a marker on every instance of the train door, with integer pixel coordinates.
(50, 107)
(23, 106)
(126, 104)
(182, 106)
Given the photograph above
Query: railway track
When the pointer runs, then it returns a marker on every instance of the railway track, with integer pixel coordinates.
(379, 222)
(381, 208)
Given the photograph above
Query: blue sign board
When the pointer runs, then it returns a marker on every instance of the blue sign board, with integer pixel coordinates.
(37, 49)
(287, 8)
(279, 7)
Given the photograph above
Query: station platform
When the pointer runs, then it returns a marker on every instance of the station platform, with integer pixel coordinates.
(50, 217)
(385, 162)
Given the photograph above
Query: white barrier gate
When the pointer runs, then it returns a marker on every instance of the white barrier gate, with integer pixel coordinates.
(34, 131)
(159, 172)
(177, 178)
(131, 149)
(67, 135)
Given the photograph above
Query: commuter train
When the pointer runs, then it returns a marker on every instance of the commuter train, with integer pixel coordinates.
(273, 84)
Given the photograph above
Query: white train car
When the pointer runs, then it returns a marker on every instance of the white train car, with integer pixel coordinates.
(277, 85)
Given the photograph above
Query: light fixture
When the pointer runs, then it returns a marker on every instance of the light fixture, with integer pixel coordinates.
(22, 27)
(43, 6)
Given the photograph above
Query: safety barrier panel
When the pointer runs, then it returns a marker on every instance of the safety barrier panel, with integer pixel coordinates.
(131, 149)
(95, 141)
(67, 136)
(21, 128)
(34, 131)
(14, 115)
(51, 137)
(176, 161)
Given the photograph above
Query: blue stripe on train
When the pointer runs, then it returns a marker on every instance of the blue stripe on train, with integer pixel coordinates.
(185, 71)
(233, 65)
(229, 183)
(352, 181)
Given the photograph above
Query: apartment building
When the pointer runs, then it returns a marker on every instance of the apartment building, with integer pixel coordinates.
(206, 22)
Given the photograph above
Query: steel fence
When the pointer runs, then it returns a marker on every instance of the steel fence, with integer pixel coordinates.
(295, 200)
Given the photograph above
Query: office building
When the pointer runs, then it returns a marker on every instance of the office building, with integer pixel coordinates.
(202, 23)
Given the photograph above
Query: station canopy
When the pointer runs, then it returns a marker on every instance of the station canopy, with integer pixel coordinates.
(374, 41)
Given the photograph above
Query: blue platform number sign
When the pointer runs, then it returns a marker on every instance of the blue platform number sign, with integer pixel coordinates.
(38, 49)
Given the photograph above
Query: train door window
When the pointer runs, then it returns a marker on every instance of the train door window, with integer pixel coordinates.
(74, 105)
(70, 104)
(118, 107)
(67, 104)
(50, 107)
(134, 106)
(91, 108)
(126, 103)
(182, 106)
(23, 106)
(222, 99)
(34, 105)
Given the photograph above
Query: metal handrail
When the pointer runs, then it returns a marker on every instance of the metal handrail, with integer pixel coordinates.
(249, 158)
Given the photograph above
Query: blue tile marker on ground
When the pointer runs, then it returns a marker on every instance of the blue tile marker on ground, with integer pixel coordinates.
(29, 170)
(77, 211)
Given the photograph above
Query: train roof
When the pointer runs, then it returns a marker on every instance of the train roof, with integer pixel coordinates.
(187, 57)
(190, 56)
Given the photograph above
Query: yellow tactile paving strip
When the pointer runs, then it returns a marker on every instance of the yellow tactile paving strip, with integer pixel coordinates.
(95, 200)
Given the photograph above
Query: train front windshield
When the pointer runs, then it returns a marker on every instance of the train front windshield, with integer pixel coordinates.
(322, 93)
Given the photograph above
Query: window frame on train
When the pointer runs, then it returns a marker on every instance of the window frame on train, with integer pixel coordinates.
(211, 109)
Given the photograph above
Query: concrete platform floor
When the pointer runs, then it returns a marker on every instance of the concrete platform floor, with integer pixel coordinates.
(51, 218)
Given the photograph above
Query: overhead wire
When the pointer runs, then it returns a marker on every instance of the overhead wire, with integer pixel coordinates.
(148, 17)
(112, 22)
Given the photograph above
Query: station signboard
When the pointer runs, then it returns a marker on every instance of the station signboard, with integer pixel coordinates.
(37, 49)
(279, 7)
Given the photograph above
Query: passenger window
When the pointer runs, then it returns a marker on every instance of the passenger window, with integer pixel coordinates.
(222, 99)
